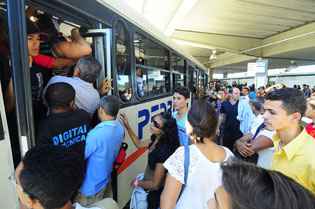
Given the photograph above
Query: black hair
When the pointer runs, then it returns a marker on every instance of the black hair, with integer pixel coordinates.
(32, 27)
(182, 90)
(252, 88)
(257, 104)
(292, 99)
(169, 138)
(203, 118)
(51, 175)
(169, 130)
(46, 25)
(251, 187)
(59, 95)
(110, 104)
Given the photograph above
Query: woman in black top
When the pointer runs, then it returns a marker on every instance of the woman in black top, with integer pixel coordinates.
(164, 141)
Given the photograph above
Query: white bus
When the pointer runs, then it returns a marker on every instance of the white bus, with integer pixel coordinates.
(121, 47)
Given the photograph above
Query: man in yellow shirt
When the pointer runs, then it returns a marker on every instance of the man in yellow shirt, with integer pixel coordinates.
(294, 153)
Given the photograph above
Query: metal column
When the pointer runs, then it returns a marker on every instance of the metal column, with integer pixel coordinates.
(20, 71)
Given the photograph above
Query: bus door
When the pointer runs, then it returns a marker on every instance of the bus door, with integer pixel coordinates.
(7, 188)
(18, 115)
(102, 40)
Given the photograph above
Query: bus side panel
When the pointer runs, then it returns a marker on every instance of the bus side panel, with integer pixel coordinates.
(140, 119)
(8, 196)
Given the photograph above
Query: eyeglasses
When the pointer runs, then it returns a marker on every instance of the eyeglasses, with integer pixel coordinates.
(156, 124)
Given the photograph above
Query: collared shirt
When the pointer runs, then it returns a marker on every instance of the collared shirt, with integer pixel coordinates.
(296, 159)
(101, 149)
(86, 96)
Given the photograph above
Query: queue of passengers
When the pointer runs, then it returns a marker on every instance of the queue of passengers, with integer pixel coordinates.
(71, 166)
(213, 180)
(269, 130)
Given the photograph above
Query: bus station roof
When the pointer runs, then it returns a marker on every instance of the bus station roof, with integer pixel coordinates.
(229, 33)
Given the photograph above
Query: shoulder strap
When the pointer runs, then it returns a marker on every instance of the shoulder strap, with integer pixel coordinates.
(186, 162)
(258, 130)
(186, 167)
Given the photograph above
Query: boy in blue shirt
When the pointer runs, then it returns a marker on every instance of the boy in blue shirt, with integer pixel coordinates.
(180, 102)
(101, 149)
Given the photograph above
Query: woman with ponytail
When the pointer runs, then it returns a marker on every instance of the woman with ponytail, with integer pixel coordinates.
(205, 156)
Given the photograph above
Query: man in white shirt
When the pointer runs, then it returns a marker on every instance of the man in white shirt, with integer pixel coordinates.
(85, 74)
(258, 140)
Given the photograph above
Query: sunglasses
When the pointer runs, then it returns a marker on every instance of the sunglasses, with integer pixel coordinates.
(156, 124)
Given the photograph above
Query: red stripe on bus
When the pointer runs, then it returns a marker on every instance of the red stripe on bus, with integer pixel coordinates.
(130, 159)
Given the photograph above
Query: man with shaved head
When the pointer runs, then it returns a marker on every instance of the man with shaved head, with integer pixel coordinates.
(231, 126)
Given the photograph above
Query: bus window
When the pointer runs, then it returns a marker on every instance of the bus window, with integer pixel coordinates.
(122, 62)
(192, 82)
(155, 81)
(178, 71)
(201, 78)
(152, 67)
(206, 80)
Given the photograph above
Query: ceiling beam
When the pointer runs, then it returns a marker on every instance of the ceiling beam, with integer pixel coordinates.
(229, 43)
(218, 34)
(296, 40)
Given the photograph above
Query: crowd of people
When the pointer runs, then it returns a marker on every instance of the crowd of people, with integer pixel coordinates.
(197, 173)
(237, 147)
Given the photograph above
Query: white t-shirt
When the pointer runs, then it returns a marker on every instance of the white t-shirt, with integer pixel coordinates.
(265, 155)
(257, 121)
(203, 178)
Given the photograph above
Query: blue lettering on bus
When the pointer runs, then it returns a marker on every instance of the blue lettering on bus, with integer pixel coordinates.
(154, 109)
(147, 115)
(163, 106)
(169, 104)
